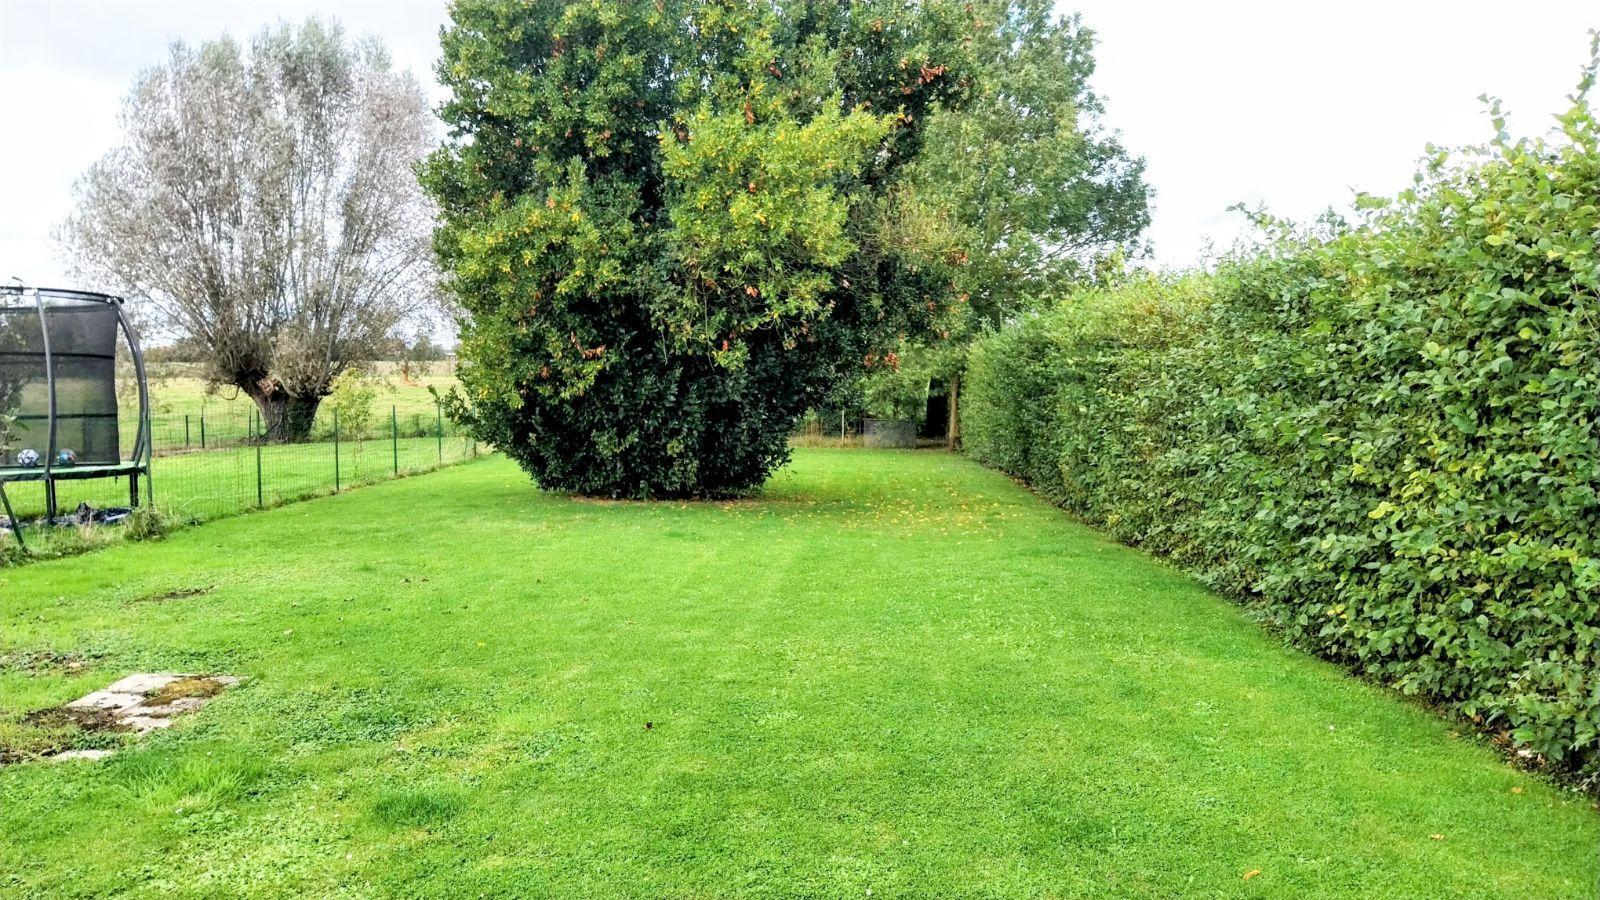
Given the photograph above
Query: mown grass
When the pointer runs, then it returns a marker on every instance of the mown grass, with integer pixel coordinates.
(893, 672)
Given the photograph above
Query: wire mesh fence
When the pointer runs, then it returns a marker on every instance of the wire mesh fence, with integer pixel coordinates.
(218, 462)
(828, 428)
(836, 428)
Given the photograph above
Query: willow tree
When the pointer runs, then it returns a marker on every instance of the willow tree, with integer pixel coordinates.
(673, 226)
(263, 206)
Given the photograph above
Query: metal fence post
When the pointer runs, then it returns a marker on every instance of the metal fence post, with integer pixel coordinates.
(438, 427)
(186, 432)
(202, 430)
(394, 436)
(336, 449)
(256, 427)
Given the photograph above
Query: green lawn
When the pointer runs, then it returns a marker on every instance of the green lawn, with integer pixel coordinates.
(893, 672)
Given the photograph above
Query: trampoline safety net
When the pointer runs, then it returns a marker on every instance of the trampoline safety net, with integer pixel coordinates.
(83, 348)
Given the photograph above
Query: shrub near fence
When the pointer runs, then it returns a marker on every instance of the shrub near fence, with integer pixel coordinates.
(1386, 438)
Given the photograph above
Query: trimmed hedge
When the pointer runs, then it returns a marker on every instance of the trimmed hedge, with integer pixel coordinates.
(1386, 438)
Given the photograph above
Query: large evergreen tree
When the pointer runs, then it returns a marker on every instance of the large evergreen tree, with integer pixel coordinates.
(673, 226)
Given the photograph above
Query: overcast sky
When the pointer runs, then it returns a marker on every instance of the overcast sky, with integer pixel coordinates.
(1294, 105)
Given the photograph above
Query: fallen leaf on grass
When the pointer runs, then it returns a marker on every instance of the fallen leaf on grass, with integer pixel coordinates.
(1251, 874)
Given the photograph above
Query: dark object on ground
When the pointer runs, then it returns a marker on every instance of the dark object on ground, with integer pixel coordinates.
(892, 433)
(83, 515)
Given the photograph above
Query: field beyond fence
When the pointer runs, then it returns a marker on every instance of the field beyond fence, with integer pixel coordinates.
(211, 461)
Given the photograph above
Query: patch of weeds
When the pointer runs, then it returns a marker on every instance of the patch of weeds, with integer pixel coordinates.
(199, 686)
(12, 554)
(417, 808)
(173, 594)
(84, 718)
(143, 524)
(147, 523)
(35, 663)
(20, 741)
(54, 543)
(53, 730)
(167, 782)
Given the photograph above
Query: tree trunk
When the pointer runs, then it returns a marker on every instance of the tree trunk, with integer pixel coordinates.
(952, 432)
(285, 418)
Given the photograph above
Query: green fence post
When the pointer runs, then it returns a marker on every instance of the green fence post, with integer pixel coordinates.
(256, 428)
(336, 450)
(186, 432)
(202, 430)
(394, 436)
(438, 427)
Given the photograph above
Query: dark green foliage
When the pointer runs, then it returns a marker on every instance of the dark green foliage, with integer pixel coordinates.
(674, 226)
(1386, 437)
(1036, 185)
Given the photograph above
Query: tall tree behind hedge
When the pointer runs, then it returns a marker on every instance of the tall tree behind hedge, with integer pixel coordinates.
(673, 226)
(1035, 186)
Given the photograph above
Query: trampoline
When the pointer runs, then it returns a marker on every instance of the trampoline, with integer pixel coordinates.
(58, 390)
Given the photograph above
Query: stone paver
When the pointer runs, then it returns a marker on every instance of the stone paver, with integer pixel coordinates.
(146, 682)
(107, 700)
(128, 701)
(82, 754)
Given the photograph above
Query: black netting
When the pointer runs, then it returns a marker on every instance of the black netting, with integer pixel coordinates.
(83, 344)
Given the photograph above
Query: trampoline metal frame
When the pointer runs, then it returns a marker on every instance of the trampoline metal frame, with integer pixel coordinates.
(139, 461)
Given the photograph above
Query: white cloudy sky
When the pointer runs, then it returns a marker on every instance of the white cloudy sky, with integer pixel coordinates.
(1295, 105)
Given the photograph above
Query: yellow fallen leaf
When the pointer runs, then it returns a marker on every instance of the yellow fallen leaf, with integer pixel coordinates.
(1251, 874)
(1437, 837)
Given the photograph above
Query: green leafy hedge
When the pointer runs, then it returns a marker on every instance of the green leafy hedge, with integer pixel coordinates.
(1385, 436)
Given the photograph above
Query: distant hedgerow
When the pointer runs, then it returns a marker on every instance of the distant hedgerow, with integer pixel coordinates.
(1387, 436)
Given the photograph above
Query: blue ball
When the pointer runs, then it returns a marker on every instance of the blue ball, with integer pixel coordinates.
(66, 458)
